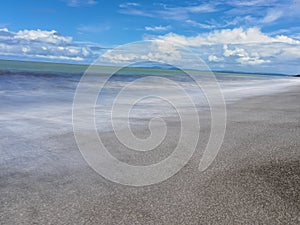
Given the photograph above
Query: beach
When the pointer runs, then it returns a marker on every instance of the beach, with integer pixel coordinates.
(150, 112)
(254, 179)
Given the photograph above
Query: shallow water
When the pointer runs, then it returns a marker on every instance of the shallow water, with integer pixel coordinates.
(37, 105)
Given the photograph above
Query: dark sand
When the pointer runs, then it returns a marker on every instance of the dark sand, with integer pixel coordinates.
(255, 179)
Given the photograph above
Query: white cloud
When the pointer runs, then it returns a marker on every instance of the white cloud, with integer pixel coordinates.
(157, 28)
(253, 3)
(213, 58)
(237, 51)
(174, 13)
(135, 12)
(183, 13)
(44, 36)
(42, 44)
(240, 47)
(77, 3)
(282, 9)
(200, 25)
(128, 4)
(244, 57)
(132, 8)
(232, 13)
(228, 36)
(235, 47)
(265, 11)
(272, 15)
(157, 51)
(198, 8)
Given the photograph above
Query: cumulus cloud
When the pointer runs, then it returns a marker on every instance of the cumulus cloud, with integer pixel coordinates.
(155, 50)
(213, 58)
(228, 36)
(243, 56)
(240, 47)
(234, 47)
(52, 37)
(245, 49)
(42, 44)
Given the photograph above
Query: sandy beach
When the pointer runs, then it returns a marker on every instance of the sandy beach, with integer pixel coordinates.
(255, 178)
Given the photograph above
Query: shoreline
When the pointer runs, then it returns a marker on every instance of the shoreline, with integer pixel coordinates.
(254, 179)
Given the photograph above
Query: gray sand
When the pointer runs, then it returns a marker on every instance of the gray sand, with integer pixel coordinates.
(255, 179)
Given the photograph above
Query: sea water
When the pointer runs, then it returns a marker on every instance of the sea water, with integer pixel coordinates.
(40, 104)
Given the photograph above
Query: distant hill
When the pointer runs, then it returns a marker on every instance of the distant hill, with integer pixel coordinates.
(31, 67)
(154, 65)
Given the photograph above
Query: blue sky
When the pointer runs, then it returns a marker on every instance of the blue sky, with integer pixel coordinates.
(253, 35)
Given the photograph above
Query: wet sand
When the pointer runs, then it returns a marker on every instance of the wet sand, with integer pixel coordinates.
(255, 178)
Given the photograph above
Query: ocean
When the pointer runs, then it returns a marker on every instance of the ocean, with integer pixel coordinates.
(37, 98)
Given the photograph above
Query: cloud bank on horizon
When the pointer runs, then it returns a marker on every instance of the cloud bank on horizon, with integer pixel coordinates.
(254, 35)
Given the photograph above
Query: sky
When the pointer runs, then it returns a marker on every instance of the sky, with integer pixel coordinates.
(236, 35)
